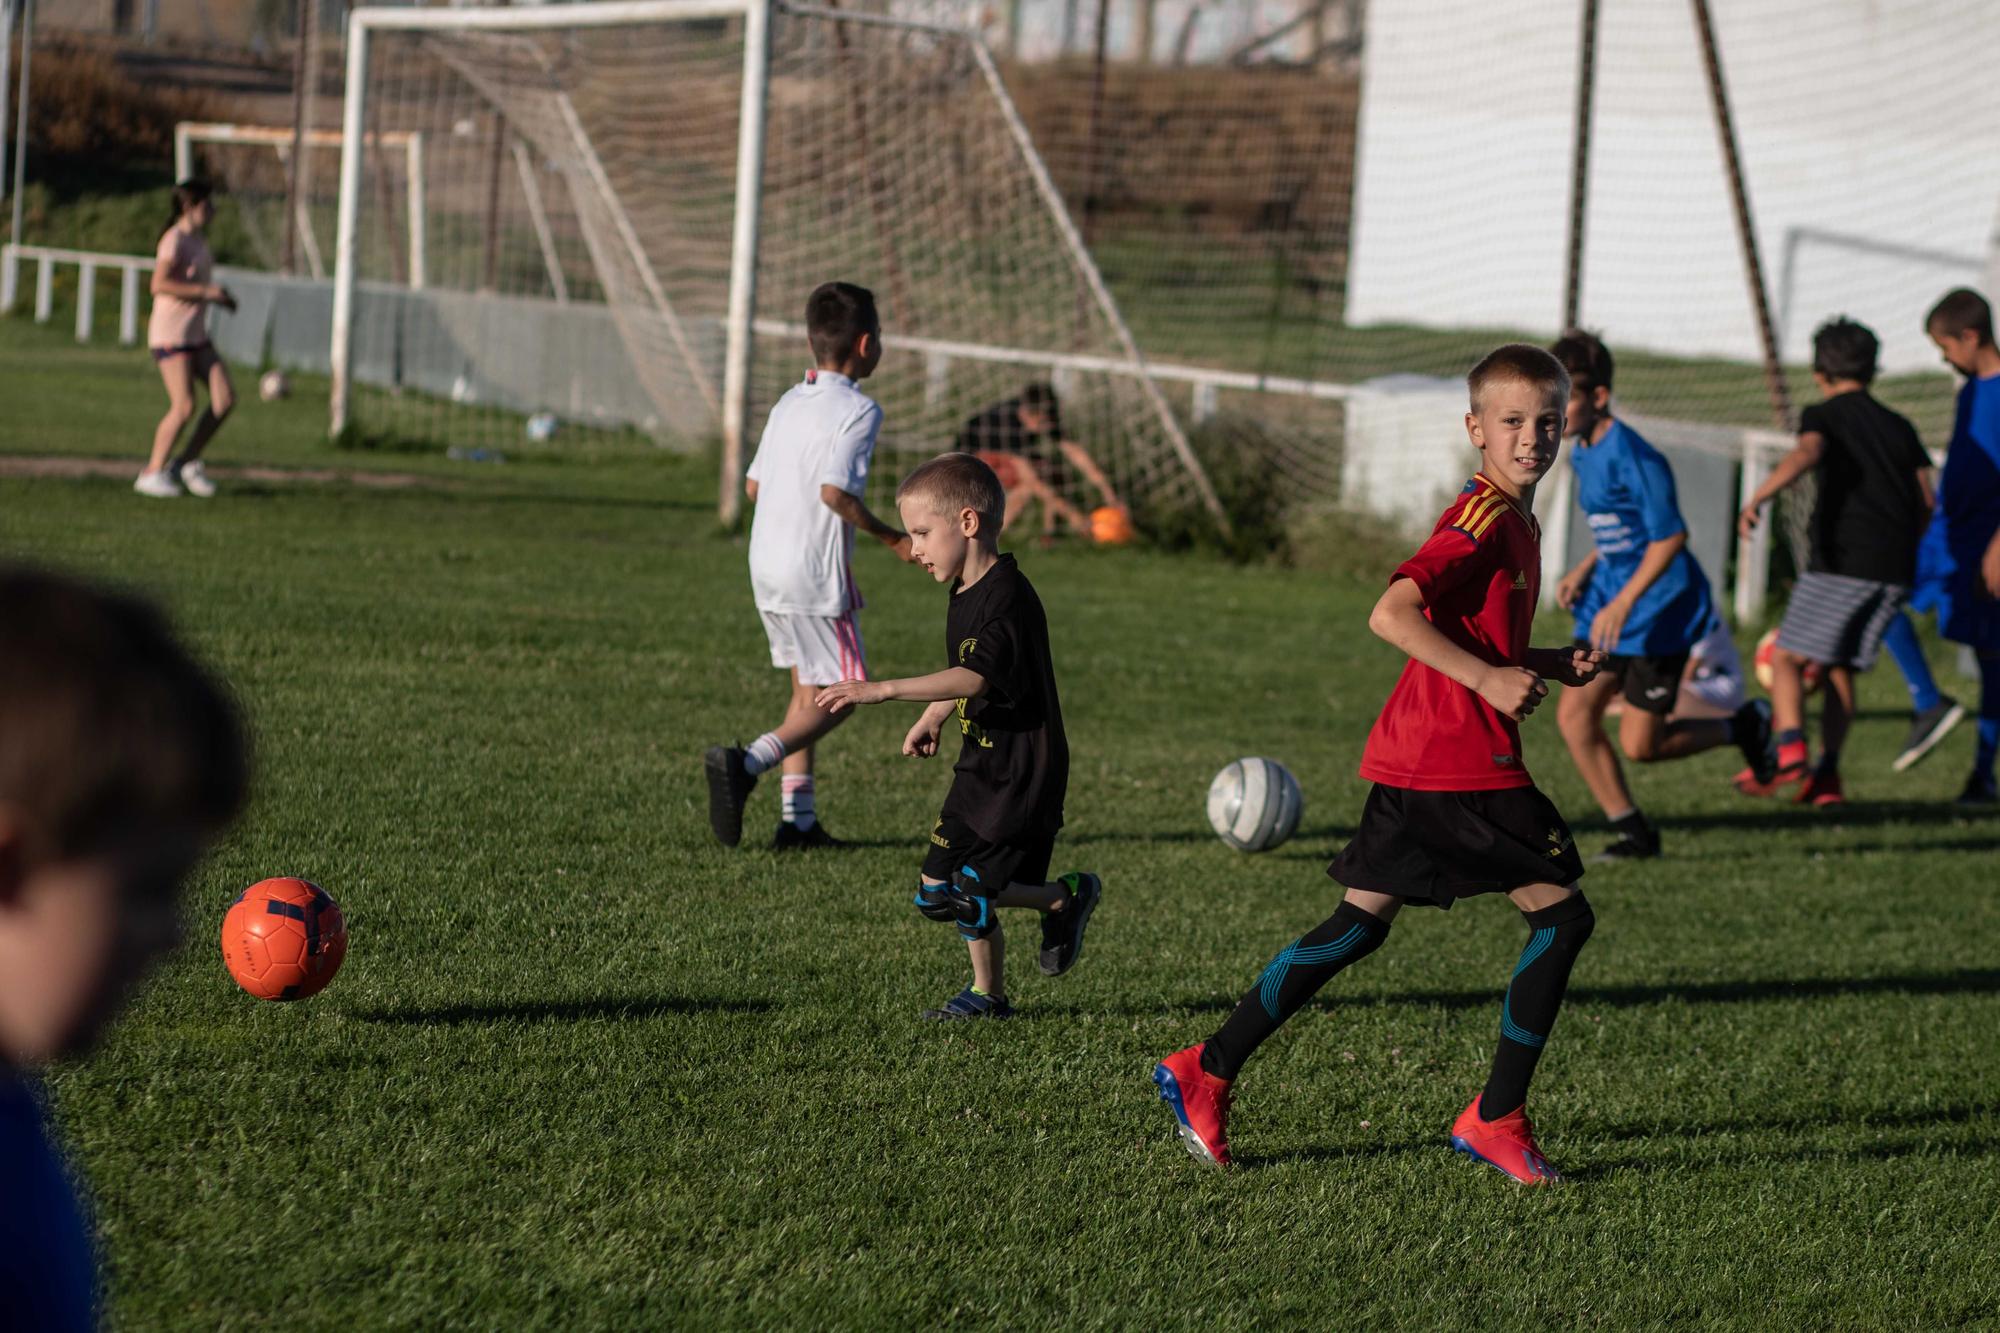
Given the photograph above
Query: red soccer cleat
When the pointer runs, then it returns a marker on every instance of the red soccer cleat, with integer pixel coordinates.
(1747, 783)
(1507, 1144)
(1822, 789)
(1199, 1101)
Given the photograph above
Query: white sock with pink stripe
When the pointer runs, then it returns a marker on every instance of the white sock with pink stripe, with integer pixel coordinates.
(798, 802)
(767, 751)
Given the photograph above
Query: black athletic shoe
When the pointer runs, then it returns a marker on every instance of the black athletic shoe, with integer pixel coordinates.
(968, 1004)
(1641, 844)
(791, 838)
(1062, 932)
(1927, 729)
(1751, 728)
(1979, 790)
(729, 785)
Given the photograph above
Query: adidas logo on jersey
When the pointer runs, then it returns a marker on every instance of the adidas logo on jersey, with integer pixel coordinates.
(1520, 579)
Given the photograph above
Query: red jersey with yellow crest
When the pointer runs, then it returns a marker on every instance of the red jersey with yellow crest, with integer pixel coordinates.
(1480, 574)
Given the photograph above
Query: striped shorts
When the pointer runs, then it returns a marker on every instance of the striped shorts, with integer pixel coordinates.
(825, 649)
(1839, 621)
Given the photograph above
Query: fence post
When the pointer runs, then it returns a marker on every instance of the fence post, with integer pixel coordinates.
(10, 276)
(45, 289)
(86, 299)
(1753, 553)
(937, 378)
(1204, 402)
(128, 306)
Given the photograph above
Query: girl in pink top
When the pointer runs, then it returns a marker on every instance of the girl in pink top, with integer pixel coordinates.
(178, 336)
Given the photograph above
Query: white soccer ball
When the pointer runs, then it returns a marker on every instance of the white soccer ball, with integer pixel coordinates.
(1254, 804)
(542, 427)
(273, 385)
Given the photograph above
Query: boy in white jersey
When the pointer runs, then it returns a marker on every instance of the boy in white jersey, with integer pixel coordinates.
(807, 481)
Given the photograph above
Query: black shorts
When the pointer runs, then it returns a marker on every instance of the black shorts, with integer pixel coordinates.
(1435, 847)
(1651, 684)
(1020, 860)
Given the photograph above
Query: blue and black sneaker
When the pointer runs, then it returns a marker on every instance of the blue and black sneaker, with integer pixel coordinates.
(1062, 932)
(969, 1003)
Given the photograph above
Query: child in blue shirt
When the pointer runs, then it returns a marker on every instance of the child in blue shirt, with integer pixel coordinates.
(120, 760)
(1964, 558)
(1640, 597)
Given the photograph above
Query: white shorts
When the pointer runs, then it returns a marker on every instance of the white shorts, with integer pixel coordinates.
(825, 649)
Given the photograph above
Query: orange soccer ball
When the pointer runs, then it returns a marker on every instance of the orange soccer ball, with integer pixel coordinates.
(283, 939)
(1111, 526)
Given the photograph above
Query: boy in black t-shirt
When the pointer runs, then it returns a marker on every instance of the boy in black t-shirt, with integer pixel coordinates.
(991, 844)
(1874, 499)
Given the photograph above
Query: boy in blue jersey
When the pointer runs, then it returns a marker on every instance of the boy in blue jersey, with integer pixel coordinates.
(120, 759)
(1872, 497)
(1640, 597)
(1967, 571)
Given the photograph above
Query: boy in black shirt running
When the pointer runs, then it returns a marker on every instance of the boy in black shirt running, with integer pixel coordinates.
(992, 842)
(1873, 502)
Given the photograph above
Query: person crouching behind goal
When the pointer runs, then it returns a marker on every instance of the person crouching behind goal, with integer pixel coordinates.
(992, 843)
(807, 481)
(1453, 812)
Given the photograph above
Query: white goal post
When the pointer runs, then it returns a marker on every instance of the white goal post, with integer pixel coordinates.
(625, 106)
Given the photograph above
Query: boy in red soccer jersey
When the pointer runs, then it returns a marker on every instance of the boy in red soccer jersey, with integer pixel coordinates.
(1453, 812)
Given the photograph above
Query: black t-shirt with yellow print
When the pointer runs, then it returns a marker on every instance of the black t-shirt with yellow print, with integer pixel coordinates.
(1013, 769)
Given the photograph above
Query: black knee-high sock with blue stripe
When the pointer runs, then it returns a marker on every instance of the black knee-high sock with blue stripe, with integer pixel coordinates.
(1534, 995)
(1293, 977)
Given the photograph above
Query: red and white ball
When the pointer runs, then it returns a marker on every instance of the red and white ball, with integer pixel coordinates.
(1762, 663)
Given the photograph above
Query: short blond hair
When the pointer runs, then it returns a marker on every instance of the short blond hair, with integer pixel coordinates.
(954, 482)
(1518, 363)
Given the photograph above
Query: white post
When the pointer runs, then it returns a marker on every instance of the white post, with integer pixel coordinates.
(539, 215)
(86, 299)
(743, 256)
(45, 289)
(183, 152)
(128, 306)
(1555, 528)
(937, 378)
(342, 337)
(1203, 402)
(413, 166)
(1753, 553)
(10, 276)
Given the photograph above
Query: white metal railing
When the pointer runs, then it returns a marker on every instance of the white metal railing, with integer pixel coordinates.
(47, 258)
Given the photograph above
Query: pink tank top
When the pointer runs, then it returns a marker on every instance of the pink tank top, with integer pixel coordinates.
(182, 256)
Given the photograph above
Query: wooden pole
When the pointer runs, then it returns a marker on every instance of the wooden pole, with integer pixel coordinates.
(1149, 19)
(1093, 142)
(1746, 235)
(490, 269)
(295, 169)
(1579, 164)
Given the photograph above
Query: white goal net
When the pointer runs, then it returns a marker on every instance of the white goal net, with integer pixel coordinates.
(581, 198)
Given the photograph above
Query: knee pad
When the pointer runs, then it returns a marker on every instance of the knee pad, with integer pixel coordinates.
(972, 907)
(934, 901)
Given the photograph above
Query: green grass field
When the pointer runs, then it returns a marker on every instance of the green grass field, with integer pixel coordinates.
(586, 1069)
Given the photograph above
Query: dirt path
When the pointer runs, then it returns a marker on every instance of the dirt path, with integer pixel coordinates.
(16, 465)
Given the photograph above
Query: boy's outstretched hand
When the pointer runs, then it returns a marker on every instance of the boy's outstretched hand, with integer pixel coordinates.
(1575, 666)
(846, 693)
